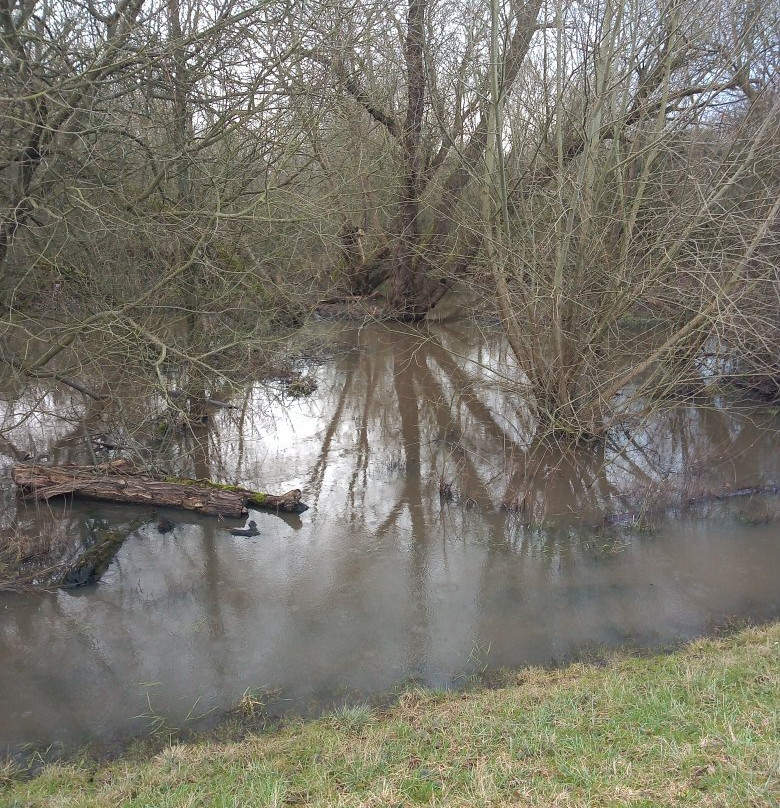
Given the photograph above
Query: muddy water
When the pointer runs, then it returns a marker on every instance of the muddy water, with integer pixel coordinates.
(383, 580)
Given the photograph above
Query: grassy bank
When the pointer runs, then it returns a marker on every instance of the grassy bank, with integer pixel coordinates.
(697, 727)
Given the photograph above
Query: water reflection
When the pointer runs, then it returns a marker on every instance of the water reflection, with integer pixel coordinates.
(381, 580)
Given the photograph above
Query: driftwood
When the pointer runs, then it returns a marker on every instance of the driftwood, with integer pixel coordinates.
(120, 481)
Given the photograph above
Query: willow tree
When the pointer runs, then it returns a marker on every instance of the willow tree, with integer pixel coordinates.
(619, 181)
(418, 73)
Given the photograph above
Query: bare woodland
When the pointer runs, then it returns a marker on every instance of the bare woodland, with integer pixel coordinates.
(183, 183)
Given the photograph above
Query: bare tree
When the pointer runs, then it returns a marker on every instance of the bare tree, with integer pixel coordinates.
(435, 119)
(632, 198)
(142, 144)
(170, 170)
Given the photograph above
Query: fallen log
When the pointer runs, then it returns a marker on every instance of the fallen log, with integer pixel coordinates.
(120, 481)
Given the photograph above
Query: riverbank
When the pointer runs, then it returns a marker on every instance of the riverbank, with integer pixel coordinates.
(695, 727)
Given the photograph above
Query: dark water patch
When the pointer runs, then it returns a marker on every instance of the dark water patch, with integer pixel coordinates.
(93, 561)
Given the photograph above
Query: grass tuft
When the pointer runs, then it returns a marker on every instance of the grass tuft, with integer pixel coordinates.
(351, 717)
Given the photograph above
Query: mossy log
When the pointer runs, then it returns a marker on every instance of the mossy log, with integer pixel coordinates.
(120, 481)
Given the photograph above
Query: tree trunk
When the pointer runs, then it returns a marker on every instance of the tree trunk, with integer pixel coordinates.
(121, 482)
(408, 270)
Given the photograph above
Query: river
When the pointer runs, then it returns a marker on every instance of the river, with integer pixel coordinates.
(440, 542)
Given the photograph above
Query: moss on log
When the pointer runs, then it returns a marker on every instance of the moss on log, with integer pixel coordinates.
(121, 482)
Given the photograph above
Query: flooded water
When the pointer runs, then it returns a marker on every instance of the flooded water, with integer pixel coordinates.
(405, 567)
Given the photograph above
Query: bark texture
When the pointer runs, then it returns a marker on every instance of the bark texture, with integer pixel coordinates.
(121, 482)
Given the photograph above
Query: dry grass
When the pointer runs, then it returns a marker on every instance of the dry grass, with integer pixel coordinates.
(30, 560)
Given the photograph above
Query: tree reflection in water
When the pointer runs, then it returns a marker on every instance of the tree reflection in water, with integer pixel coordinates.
(381, 580)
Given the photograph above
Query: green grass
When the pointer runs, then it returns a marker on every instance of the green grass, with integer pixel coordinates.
(695, 727)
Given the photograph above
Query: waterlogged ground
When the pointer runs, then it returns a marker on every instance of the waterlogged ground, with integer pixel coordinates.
(440, 542)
